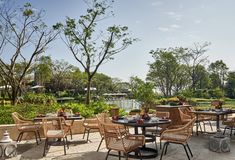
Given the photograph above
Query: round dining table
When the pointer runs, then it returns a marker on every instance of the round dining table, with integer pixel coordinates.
(146, 152)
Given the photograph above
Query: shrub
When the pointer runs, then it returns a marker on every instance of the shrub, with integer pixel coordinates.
(26, 110)
(40, 98)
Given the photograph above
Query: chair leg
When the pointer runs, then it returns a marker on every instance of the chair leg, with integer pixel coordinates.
(71, 134)
(231, 131)
(156, 144)
(211, 125)
(224, 130)
(36, 137)
(39, 135)
(100, 144)
(200, 126)
(119, 155)
(87, 138)
(84, 133)
(189, 149)
(163, 149)
(107, 154)
(18, 138)
(204, 126)
(45, 146)
(127, 155)
(64, 146)
(160, 144)
(166, 147)
(186, 151)
(140, 154)
(66, 140)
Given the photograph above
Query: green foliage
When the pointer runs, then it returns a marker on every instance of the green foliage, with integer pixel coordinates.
(89, 110)
(26, 110)
(100, 106)
(89, 50)
(216, 93)
(122, 112)
(40, 98)
(142, 91)
(5, 114)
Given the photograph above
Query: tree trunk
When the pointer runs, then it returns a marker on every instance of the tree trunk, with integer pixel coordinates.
(14, 96)
(88, 91)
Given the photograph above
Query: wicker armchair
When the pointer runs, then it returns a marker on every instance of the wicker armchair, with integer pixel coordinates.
(157, 131)
(178, 118)
(89, 124)
(201, 118)
(102, 118)
(25, 125)
(229, 124)
(179, 136)
(120, 141)
(53, 128)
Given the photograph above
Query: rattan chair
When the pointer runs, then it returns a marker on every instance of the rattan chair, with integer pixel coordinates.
(90, 124)
(157, 131)
(120, 141)
(54, 129)
(25, 125)
(201, 118)
(102, 118)
(229, 124)
(178, 118)
(67, 123)
(178, 136)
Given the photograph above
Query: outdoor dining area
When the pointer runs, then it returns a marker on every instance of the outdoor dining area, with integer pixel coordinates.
(172, 132)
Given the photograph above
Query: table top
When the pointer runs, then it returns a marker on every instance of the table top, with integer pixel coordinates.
(169, 106)
(66, 118)
(146, 123)
(213, 112)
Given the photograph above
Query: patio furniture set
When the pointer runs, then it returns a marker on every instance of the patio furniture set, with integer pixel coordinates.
(174, 126)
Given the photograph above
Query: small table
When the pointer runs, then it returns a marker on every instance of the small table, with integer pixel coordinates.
(219, 143)
(150, 152)
(216, 113)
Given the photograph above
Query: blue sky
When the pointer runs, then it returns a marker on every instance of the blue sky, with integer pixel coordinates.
(158, 24)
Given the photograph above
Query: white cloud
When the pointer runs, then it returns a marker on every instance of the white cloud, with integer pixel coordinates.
(163, 29)
(175, 26)
(137, 21)
(174, 15)
(197, 21)
(157, 3)
(181, 6)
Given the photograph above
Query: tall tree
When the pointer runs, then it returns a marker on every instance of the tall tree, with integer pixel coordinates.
(142, 91)
(230, 85)
(194, 58)
(202, 78)
(61, 76)
(43, 70)
(23, 37)
(89, 47)
(166, 72)
(220, 70)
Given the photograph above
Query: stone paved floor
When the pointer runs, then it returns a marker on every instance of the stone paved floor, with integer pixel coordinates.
(80, 150)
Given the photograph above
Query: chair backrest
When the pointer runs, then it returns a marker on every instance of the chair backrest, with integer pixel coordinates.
(102, 118)
(18, 119)
(177, 116)
(182, 134)
(52, 123)
(162, 114)
(114, 137)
